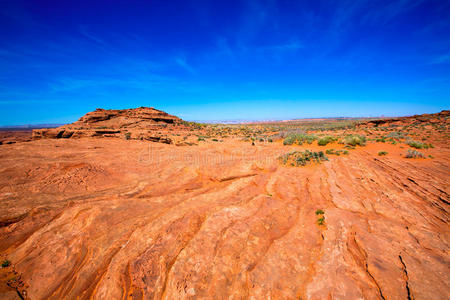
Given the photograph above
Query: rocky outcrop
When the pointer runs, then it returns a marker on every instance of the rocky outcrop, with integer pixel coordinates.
(143, 123)
(441, 117)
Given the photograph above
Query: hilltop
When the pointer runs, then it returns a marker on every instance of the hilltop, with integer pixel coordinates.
(145, 123)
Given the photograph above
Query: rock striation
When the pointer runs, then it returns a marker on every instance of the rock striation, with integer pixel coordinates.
(112, 218)
(442, 117)
(144, 123)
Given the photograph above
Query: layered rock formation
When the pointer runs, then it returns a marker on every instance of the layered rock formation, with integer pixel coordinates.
(142, 123)
(443, 117)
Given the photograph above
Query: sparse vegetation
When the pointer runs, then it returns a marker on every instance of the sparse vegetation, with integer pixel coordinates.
(419, 145)
(382, 153)
(414, 154)
(321, 220)
(299, 139)
(301, 158)
(323, 141)
(6, 263)
(354, 140)
(127, 135)
(321, 214)
(336, 152)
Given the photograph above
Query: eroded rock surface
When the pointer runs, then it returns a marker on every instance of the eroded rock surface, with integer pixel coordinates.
(112, 219)
(143, 123)
(128, 219)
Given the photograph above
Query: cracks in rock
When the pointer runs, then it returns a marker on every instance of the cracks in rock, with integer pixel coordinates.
(237, 177)
(376, 283)
(407, 278)
(363, 261)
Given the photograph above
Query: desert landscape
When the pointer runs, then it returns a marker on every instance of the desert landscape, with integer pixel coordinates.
(139, 204)
(225, 150)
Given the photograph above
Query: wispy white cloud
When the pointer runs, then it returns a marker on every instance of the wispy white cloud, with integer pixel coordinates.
(87, 34)
(290, 46)
(181, 61)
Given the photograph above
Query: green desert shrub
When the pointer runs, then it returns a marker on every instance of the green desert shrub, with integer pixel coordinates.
(321, 220)
(419, 145)
(299, 139)
(301, 158)
(381, 153)
(6, 263)
(355, 139)
(414, 154)
(323, 141)
(336, 152)
(321, 214)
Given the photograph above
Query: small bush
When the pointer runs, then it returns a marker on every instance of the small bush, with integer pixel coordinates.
(323, 141)
(319, 212)
(321, 220)
(6, 263)
(301, 158)
(381, 153)
(414, 154)
(419, 145)
(336, 152)
(270, 140)
(127, 135)
(215, 140)
(355, 139)
(299, 139)
(201, 139)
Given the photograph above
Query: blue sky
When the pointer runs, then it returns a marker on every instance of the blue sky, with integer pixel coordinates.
(223, 60)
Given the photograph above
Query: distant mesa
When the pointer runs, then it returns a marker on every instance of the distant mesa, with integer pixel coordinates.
(144, 123)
